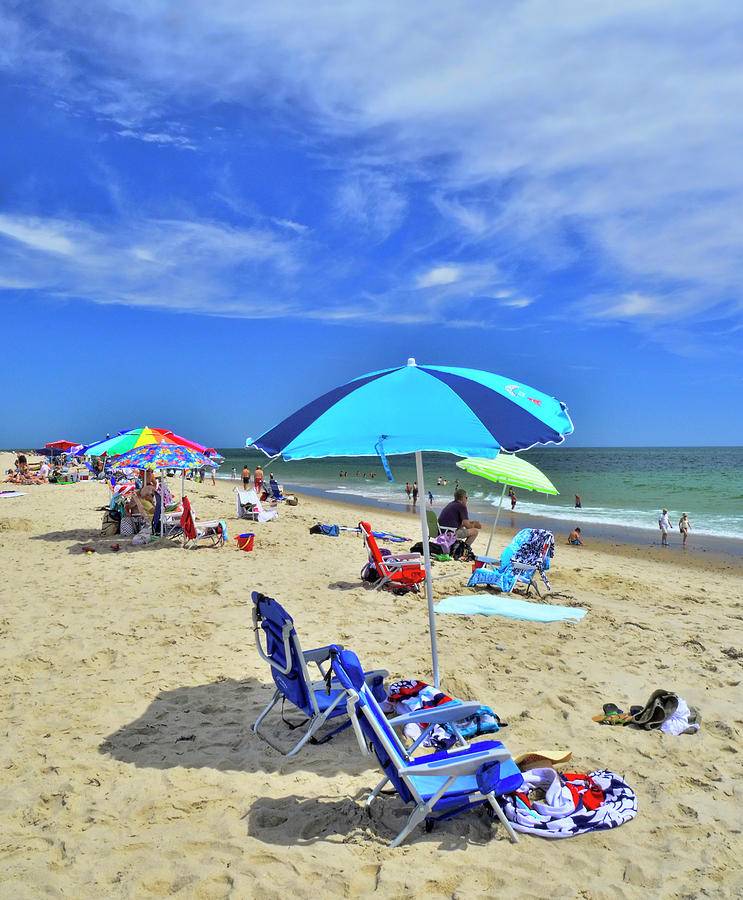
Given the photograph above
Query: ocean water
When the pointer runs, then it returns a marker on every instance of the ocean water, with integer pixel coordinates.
(619, 486)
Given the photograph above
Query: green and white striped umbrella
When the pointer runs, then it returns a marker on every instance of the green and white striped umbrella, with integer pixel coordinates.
(511, 470)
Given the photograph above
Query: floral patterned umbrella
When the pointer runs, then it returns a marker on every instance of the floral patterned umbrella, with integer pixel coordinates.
(162, 456)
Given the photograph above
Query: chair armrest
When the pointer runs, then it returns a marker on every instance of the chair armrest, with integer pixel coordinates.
(489, 560)
(408, 557)
(525, 567)
(320, 654)
(464, 764)
(370, 676)
(447, 712)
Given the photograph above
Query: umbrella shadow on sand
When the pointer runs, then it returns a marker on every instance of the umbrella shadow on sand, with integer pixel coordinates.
(210, 726)
(290, 821)
(83, 538)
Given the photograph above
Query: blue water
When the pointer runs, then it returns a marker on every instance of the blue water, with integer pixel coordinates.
(619, 486)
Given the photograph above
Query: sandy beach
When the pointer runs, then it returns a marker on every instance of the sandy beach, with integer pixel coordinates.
(131, 680)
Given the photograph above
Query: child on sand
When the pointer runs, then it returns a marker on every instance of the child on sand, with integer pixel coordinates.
(575, 538)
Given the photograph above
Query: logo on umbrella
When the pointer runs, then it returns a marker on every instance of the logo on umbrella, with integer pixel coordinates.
(515, 391)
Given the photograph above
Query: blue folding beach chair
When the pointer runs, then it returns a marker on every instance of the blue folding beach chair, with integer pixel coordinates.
(321, 700)
(441, 785)
(527, 556)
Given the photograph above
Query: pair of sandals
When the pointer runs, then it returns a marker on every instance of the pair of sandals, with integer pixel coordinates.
(613, 715)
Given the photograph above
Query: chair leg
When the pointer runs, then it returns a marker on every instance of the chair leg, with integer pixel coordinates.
(266, 711)
(417, 816)
(376, 791)
(513, 837)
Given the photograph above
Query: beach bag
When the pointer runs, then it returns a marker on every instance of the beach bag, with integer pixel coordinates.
(110, 523)
(461, 550)
(369, 572)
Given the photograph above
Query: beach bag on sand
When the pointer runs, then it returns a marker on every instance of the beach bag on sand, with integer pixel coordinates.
(110, 523)
(369, 572)
(461, 550)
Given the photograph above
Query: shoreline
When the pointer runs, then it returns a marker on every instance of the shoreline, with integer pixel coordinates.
(598, 536)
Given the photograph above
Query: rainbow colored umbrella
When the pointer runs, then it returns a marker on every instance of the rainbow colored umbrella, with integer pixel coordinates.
(125, 441)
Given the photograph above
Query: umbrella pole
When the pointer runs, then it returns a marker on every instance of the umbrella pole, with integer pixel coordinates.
(495, 520)
(183, 483)
(427, 563)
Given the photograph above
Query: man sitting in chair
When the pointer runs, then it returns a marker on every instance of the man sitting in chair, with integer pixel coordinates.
(455, 515)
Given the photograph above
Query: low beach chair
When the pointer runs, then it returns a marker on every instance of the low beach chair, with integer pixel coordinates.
(249, 507)
(320, 701)
(434, 529)
(398, 570)
(440, 785)
(527, 556)
(214, 530)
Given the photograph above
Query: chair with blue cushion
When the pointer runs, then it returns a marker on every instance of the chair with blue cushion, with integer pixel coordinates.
(320, 701)
(527, 556)
(440, 785)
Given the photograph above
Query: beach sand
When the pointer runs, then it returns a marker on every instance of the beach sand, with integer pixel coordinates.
(131, 680)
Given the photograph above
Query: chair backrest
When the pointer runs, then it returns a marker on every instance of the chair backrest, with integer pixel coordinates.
(373, 547)
(536, 546)
(433, 524)
(368, 720)
(283, 652)
(275, 489)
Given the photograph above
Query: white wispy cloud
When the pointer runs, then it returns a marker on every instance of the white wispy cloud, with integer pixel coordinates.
(437, 276)
(186, 265)
(35, 234)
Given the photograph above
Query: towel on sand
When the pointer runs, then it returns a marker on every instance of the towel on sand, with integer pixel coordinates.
(510, 607)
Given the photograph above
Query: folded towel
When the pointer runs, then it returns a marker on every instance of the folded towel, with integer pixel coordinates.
(510, 607)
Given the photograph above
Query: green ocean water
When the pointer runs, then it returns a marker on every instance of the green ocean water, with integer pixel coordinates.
(619, 486)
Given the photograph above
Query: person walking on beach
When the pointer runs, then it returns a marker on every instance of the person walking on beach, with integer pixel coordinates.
(246, 477)
(258, 480)
(408, 489)
(684, 527)
(664, 523)
(577, 501)
(430, 499)
(234, 474)
(512, 495)
(415, 492)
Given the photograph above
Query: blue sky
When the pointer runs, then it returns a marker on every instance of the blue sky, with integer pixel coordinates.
(212, 213)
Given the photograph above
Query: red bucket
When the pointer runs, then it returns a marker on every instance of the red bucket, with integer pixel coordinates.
(245, 541)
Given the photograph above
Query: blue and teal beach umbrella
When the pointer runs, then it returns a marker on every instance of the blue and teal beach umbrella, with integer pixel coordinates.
(414, 408)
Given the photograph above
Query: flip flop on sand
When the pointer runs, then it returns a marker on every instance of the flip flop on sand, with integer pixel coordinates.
(115, 547)
(612, 715)
(540, 759)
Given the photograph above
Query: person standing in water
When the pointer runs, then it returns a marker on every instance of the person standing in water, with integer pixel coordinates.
(512, 495)
(684, 528)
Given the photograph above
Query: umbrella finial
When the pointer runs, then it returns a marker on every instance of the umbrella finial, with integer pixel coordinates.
(412, 362)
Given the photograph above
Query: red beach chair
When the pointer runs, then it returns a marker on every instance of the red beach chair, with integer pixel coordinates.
(401, 570)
